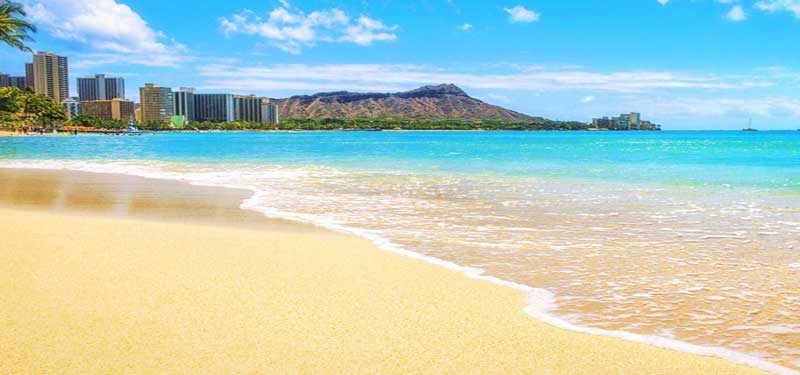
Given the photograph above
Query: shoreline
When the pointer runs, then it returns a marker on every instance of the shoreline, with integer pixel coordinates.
(536, 304)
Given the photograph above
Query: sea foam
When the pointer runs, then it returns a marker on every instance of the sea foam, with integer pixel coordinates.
(539, 302)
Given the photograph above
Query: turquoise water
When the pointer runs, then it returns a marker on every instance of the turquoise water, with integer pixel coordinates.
(763, 159)
(680, 238)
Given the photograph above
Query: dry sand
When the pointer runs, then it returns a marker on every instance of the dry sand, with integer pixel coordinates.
(83, 294)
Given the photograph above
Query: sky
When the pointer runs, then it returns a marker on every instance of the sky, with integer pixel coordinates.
(685, 64)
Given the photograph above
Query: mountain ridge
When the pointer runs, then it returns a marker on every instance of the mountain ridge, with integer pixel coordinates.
(444, 101)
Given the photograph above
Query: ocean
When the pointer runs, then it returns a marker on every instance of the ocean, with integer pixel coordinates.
(689, 240)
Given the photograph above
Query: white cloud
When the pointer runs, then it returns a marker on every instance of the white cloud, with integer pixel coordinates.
(587, 99)
(291, 29)
(499, 98)
(663, 2)
(792, 6)
(106, 26)
(389, 77)
(736, 14)
(465, 27)
(521, 14)
(691, 108)
(367, 31)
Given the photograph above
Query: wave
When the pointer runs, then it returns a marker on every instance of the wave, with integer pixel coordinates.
(539, 302)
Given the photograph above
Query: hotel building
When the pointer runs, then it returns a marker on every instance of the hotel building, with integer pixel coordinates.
(72, 106)
(11, 81)
(247, 108)
(269, 112)
(51, 75)
(214, 107)
(101, 87)
(625, 121)
(29, 81)
(114, 109)
(183, 103)
(156, 103)
(18, 82)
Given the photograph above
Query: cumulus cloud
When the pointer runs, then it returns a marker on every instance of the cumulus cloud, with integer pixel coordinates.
(773, 107)
(465, 27)
(587, 99)
(520, 14)
(736, 14)
(108, 27)
(663, 2)
(290, 29)
(395, 77)
(499, 98)
(791, 6)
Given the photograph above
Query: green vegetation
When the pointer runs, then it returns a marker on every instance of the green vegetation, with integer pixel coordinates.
(341, 124)
(24, 108)
(13, 30)
(428, 124)
(347, 124)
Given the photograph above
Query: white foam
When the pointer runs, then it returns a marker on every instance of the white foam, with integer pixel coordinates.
(539, 302)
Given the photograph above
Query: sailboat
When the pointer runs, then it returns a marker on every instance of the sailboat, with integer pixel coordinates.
(749, 127)
(132, 130)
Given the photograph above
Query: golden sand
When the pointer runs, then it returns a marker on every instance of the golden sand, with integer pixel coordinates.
(84, 295)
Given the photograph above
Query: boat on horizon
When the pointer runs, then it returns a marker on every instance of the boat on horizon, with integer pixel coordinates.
(750, 127)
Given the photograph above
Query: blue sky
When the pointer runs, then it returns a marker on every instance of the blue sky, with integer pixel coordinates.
(682, 63)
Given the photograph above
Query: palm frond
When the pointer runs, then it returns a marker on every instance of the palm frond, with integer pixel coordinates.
(14, 31)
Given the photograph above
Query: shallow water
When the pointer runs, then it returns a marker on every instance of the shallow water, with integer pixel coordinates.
(687, 235)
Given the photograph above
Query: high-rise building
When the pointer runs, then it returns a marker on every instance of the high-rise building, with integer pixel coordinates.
(51, 75)
(247, 108)
(72, 106)
(29, 80)
(156, 103)
(18, 82)
(213, 107)
(114, 109)
(635, 119)
(184, 103)
(623, 122)
(101, 87)
(10, 81)
(269, 112)
(602, 123)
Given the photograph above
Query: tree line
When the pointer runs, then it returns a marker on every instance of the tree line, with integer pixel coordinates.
(339, 124)
(21, 108)
(345, 124)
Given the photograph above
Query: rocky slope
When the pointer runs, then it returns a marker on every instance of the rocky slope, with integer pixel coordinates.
(428, 102)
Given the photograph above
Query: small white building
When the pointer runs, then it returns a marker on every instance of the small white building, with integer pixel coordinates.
(72, 106)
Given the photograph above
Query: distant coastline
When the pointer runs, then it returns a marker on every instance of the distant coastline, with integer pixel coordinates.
(359, 124)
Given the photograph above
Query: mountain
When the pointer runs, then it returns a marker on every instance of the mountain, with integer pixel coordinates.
(427, 102)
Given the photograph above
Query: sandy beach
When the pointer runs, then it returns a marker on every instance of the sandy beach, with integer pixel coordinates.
(113, 274)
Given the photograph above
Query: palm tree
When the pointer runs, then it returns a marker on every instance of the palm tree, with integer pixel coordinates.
(13, 30)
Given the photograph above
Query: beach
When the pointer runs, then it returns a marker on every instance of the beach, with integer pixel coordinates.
(96, 287)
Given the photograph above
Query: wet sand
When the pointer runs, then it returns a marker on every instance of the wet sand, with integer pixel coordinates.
(131, 197)
(118, 274)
